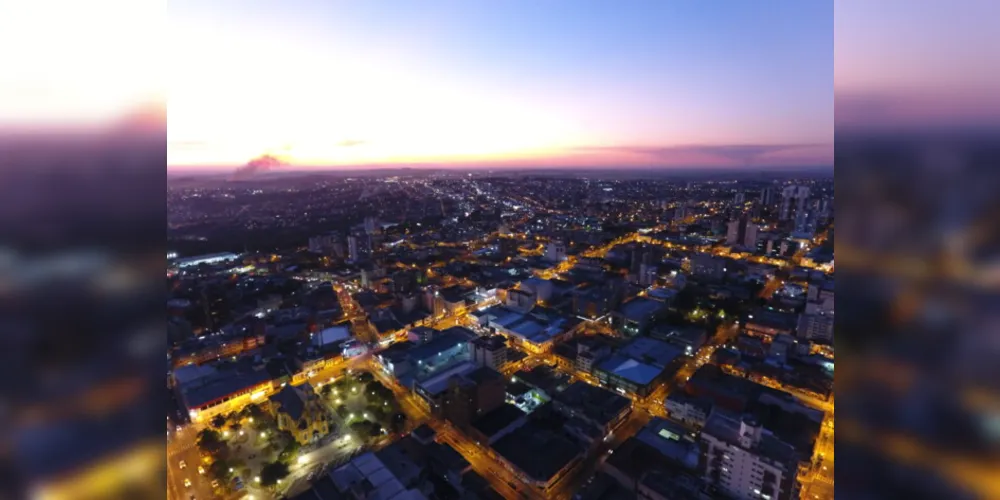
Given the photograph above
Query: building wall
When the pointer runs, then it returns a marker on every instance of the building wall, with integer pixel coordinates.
(232, 403)
(740, 473)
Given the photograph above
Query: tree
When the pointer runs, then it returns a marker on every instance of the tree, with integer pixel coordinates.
(272, 472)
(327, 390)
(366, 429)
(254, 411)
(342, 411)
(290, 452)
(220, 470)
(366, 378)
(218, 421)
(210, 441)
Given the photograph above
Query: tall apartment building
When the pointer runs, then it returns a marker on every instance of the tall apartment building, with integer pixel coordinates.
(742, 232)
(359, 246)
(490, 351)
(746, 461)
(767, 196)
(793, 201)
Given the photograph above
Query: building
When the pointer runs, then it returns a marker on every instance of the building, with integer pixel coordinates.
(359, 247)
(767, 196)
(765, 323)
(673, 441)
(300, 411)
(637, 315)
(687, 409)
(708, 266)
(600, 408)
(538, 455)
(206, 391)
(594, 302)
(490, 351)
(816, 327)
(746, 461)
(366, 477)
(536, 331)
(793, 201)
(555, 251)
(637, 366)
(689, 338)
(742, 232)
(521, 300)
(472, 395)
(410, 362)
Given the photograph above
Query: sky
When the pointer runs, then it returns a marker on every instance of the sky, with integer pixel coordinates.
(347, 83)
(904, 64)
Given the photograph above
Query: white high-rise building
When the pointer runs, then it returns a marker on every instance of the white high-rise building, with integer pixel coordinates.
(746, 461)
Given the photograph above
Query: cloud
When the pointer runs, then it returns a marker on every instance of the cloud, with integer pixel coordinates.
(257, 165)
(732, 155)
(351, 142)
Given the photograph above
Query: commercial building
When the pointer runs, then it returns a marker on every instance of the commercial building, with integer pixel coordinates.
(206, 391)
(637, 366)
(687, 337)
(536, 331)
(746, 461)
(637, 315)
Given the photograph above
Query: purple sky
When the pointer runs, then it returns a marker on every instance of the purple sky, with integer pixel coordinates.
(727, 83)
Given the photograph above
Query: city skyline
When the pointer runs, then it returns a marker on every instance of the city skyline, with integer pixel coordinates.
(453, 85)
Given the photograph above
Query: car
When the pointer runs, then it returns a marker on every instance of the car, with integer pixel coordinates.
(187, 483)
(201, 470)
(183, 465)
(215, 483)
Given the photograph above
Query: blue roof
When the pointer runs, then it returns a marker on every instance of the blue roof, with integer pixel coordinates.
(640, 308)
(630, 369)
(651, 351)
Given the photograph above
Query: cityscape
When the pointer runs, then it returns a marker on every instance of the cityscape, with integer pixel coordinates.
(513, 250)
(482, 334)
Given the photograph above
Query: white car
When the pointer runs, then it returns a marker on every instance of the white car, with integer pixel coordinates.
(201, 470)
(183, 465)
(187, 483)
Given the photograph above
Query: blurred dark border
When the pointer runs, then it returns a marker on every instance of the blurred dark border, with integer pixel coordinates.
(82, 259)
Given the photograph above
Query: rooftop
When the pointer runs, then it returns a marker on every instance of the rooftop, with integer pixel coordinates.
(599, 405)
(640, 308)
(496, 420)
(651, 351)
(725, 426)
(630, 369)
(537, 452)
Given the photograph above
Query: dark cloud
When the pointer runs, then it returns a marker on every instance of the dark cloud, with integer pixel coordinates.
(257, 165)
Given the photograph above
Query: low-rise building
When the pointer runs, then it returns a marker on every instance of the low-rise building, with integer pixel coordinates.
(637, 366)
(688, 409)
(637, 315)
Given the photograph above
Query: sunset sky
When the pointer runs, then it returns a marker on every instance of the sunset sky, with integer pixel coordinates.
(512, 83)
